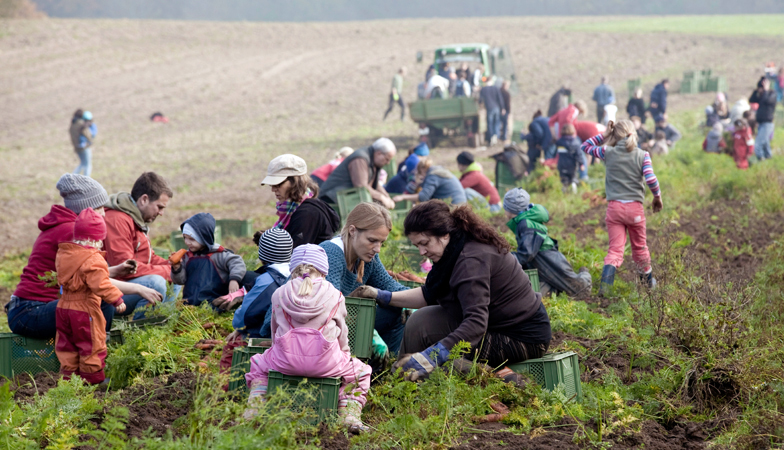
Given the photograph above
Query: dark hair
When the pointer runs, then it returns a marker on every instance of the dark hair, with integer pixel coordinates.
(78, 114)
(153, 185)
(538, 113)
(434, 217)
(666, 80)
(300, 185)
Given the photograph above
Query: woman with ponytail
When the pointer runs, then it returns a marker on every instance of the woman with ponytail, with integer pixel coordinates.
(310, 337)
(628, 170)
(477, 292)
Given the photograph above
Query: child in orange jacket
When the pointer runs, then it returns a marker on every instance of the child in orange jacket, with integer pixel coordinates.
(743, 144)
(82, 271)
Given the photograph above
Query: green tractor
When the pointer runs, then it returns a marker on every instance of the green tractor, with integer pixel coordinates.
(439, 118)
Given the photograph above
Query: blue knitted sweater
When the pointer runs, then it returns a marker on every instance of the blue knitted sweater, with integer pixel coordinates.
(346, 281)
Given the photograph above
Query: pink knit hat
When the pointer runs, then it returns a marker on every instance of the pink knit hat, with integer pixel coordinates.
(310, 254)
(89, 226)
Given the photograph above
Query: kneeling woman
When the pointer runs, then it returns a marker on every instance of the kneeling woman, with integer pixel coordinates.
(477, 292)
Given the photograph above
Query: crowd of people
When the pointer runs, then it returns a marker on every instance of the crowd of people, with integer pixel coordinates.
(98, 250)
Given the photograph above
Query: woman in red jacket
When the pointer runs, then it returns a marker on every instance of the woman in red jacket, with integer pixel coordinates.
(474, 180)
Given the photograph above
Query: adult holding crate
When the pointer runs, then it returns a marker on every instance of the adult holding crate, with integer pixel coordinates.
(476, 292)
(354, 262)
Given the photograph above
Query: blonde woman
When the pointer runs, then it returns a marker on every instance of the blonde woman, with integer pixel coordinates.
(354, 261)
(628, 170)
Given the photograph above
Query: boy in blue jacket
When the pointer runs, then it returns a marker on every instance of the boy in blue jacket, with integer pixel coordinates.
(207, 270)
(568, 146)
(537, 250)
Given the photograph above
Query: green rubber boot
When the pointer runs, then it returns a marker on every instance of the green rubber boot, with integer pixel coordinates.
(608, 278)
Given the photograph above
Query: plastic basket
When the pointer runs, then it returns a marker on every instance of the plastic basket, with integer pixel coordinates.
(504, 179)
(234, 227)
(533, 275)
(391, 168)
(324, 390)
(146, 322)
(401, 210)
(411, 284)
(240, 365)
(553, 370)
(348, 199)
(412, 257)
(19, 354)
(162, 252)
(360, 321)
(690, 86)
(716, 84)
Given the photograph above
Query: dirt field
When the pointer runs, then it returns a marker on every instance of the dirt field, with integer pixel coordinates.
(239, 94)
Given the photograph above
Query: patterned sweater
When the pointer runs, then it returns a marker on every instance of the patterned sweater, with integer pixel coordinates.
(595, 147)
(346, 281)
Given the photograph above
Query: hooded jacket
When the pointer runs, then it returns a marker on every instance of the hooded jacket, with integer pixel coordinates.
(311, 311)
(474, 178)
(313, 223)
(440, 183)
(659, 96)
(230, 267)
(56, 227)
(126, 238)
(84, 275)
(767, 105)
(531, 233)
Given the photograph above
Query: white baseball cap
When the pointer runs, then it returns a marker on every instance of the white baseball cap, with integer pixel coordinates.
(282, 167)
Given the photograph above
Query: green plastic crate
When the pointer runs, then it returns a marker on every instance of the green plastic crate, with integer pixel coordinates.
(411, 284)
(240, 365)
(633, 85)
(401, 210)
(234, 227)
(19, 354)
(690, 86)
(348, 199)
(716, 84)
(533, 275)
(145, 322)
(178, 243)
(162, 252)
(391, 168)
(779, 118)
(504, 179)
(553, 370)
(412, 257)
(360, 321)
(324, 390)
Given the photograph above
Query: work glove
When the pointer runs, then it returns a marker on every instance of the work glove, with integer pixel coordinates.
(657, 204)
(381, 296)
(418, 366)
(379, 347)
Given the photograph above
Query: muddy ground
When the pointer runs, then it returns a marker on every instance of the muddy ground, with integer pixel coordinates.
(239, 94)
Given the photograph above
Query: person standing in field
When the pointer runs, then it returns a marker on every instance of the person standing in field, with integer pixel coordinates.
(743, 144)
(396, 94)
(490, 96)
(636, 106)
(766, 99)
(83, 131)
(658, 104)
(507, 96)
(603, 95)
(628, 170)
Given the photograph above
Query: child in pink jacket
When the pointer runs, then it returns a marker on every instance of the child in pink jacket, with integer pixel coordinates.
(309, 318)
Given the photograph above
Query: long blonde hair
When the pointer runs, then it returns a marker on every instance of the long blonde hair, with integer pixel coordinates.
(623, 129)
(365, 216)
(307, 272)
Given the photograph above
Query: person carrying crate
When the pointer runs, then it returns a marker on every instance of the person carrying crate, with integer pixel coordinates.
(310, 338)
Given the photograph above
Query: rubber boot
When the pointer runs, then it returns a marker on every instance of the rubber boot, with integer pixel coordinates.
(608, 278)
(648, 280)
(351, 416)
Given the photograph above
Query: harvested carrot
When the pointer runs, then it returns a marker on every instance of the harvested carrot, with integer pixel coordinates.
(176, 257)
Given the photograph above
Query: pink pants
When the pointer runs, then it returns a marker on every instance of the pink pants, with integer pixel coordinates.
(355, 375)
(623, 217)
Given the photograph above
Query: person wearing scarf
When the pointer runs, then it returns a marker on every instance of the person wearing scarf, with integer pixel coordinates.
(477, 292)
(306, 218)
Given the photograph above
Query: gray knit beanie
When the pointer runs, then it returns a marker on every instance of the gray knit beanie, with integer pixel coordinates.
(275, 246)
(81, 192)
(516, 201)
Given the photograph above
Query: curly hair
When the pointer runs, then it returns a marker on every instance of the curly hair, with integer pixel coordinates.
(434, 217)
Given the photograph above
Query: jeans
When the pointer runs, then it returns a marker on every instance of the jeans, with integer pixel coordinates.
(85, 166)
(762, 143)
(504, 126)
(584, 162)
(550, 152)
(623, 217)
(156, 282)
(390, 326)
(493, 123)
(37, 320)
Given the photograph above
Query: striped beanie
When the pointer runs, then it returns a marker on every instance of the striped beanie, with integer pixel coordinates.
(275, 246)
(310, 254)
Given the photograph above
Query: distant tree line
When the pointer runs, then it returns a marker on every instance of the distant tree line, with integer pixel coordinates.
(334, 10)
(19, 9)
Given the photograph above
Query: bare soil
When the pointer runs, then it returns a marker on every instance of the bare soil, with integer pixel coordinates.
(239, 94)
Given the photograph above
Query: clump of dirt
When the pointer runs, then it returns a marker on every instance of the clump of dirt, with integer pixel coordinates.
(627, 366)
(559, 337)
(332, 441)
(25, 386)
(689, 436)
(158, 403)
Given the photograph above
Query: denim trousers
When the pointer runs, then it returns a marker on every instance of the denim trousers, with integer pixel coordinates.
(37, 320)
(390, 327)
(493, 123)
(156, 282)
(762, 143)
(85, 166)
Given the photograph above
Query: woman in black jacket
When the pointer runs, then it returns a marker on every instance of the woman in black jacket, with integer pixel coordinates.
(636, 106)
(306, 218)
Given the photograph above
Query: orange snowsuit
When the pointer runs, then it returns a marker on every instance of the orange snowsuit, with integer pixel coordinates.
(80, 342)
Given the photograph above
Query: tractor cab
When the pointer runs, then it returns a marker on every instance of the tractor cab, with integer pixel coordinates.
(497, 61)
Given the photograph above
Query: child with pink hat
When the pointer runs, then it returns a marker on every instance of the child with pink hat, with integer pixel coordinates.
(310, 337)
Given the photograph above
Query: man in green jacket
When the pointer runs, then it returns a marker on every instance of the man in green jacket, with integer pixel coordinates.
(537, 250)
